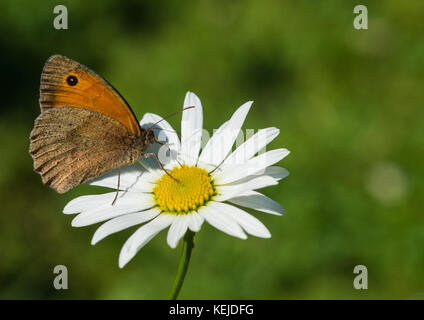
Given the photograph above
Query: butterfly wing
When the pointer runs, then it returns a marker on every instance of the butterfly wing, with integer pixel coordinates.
(72, 145)
(65, 82)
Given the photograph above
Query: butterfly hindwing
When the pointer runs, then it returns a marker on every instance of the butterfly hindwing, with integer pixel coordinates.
(71, 145)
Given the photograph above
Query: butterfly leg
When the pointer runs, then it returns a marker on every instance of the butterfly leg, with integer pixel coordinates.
(146, 155)
(117, 188)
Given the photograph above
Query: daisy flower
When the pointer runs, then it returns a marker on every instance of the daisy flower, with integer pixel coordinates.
(207, 184)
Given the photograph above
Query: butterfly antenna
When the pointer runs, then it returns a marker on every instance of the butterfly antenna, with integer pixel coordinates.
(171, 115)
(173, 131)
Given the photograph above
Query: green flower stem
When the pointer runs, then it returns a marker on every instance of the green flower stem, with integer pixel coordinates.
(182, 266)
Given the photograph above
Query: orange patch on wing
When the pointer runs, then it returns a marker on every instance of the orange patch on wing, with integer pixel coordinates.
(66, 83)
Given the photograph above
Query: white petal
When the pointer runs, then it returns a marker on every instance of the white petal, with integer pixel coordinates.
(126, 203)
(221, 221)
(208, 167)
(222, 141)
(257, 201)
(84, 203)
(177, 230)
(131, 179)
(195, 221)
(167, 134)
(191, 129)
(252, 146)
(248, 222)
(209, 146)
(232, 190)
(123, 222)
(143, 235)
(151, 177)
(151, 163)
(256, 165)
(277, 173)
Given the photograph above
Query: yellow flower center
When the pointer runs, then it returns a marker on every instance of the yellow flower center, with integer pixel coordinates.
(192, 190)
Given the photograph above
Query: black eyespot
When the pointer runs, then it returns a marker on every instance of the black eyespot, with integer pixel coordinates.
(71, 80)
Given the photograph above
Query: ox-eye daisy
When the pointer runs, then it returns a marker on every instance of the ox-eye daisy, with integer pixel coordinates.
(202, 185)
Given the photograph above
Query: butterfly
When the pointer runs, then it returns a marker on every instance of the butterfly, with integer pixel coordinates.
(85, 129)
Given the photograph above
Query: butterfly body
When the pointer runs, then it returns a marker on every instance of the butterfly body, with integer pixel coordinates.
(85, 128)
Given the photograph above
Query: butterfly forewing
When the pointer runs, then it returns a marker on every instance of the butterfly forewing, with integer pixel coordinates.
(65, 82)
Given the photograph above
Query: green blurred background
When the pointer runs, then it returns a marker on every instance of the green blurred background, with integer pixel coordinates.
(349, 105)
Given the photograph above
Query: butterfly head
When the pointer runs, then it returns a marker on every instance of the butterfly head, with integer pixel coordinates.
(148, 137)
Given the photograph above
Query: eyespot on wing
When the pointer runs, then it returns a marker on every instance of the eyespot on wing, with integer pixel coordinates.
(65, 82)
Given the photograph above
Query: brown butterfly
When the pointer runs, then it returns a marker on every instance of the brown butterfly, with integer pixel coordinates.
(85, 129)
